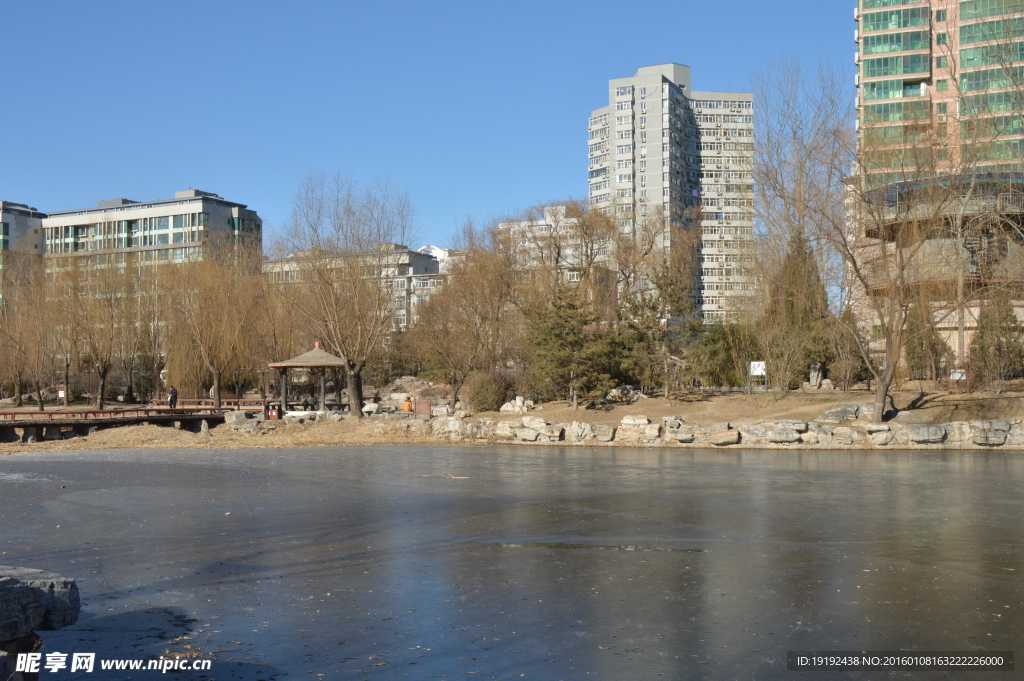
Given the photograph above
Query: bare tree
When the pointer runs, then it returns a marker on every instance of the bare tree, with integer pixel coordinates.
(212, 301)
(348, 242)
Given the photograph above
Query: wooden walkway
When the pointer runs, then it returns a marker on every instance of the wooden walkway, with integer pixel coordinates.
(54, 425)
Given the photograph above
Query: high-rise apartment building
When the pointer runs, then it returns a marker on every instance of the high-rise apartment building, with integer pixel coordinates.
(940, 96)
(659, 147)
(945, 68)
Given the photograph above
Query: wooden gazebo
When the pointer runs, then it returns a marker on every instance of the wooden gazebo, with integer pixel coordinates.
(317, 358)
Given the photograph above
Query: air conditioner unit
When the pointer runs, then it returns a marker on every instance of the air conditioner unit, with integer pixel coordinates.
(699, 110)
(942, 118)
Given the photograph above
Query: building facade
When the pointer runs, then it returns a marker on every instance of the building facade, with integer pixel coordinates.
(410, 276)
(660, 148)
(940, 117)
(169, 230)
(21, 235)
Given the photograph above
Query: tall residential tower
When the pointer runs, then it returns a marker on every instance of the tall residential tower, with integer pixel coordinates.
(658, 144)
(940, 97)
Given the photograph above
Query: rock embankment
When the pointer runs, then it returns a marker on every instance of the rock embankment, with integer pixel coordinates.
(31, 601)
(849, 426)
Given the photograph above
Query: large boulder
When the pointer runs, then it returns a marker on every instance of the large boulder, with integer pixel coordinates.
(526, 434)
(635, 420)
(722, 438)
(35, 600)
(838, 415)
(237, 418)
(881, 437)
(958, 432)
(751, 434)
(781, 435)
(534, 422)
(551, 433)
(604, 433)
(679, 435)
(786, 424)
(989, 438)
(1015, 436)
(577, 431)
(922, 434)
(507, 429)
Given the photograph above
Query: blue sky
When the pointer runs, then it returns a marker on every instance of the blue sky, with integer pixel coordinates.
(477, 109)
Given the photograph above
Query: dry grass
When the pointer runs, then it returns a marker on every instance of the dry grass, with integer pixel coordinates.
(705, 410)
(222, 437)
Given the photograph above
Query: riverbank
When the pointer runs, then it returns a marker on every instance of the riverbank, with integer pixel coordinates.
(797, 420)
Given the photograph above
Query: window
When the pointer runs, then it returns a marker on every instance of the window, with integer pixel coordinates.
(624, 134)
(574, 276)
(643, 92)
(941, 62)
(941, 108)
(624, 163)
(895, 42)
(896, 66)
(623, 120)
(624, 149)
(892, 19)
(940, 15)
(992, 30)
(598, 186)
(941, 38)
(623, 91)
(624, 105)
(624, 179)
(991, 54)
(875, 4)
(979, 9)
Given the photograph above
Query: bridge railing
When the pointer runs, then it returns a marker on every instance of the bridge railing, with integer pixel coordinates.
(85, 414)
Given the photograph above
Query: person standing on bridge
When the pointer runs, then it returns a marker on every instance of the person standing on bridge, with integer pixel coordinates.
(172, 398)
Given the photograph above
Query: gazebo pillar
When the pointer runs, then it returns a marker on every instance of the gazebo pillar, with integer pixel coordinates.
(323, 389)
(284, 391)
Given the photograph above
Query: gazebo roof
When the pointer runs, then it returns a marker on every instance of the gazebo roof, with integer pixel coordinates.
(314, 358)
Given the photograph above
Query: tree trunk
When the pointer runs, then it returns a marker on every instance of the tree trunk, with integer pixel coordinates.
(67, 387)
(18, 402)
(881, 392)
(39, 395)
(216, 389)
(129, 369)
(666, 378)
(456, 387)
(102, 375)
(354, 380)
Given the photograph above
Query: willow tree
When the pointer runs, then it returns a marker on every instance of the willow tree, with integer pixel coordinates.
(348, 247)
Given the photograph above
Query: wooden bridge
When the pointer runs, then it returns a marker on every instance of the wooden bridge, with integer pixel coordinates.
(36, 426)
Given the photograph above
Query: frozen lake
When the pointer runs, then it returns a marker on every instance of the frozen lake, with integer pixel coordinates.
(522, 562)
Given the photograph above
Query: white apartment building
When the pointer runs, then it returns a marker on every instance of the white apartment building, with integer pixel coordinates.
(162, 230)
(659, 144)
(411, 276)
(21, 231)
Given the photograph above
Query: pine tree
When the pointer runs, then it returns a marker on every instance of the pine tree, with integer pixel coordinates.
(997, 352)
(792, 329)
(569, 352)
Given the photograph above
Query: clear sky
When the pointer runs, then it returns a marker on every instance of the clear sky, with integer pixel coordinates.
(475, 108)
